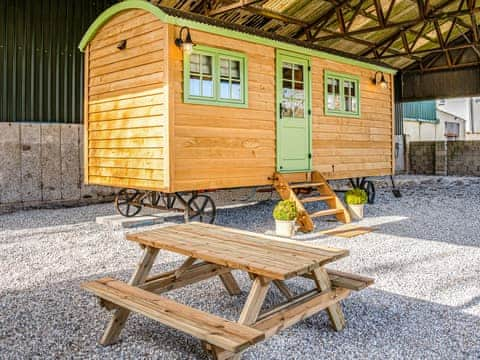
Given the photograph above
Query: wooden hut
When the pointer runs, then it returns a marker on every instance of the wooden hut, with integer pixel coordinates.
(240, 108)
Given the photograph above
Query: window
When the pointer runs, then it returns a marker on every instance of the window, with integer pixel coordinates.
(452, 129)
(215, 77)
(341, 95)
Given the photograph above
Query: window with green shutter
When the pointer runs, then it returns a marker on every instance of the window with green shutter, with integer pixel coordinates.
(215, 77)
(342, 94)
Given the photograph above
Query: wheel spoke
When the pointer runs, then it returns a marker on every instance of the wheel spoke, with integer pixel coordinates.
(205, 202)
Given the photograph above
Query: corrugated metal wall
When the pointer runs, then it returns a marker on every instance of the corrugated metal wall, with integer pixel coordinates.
(41, 68)
(420, 110)
(398, 116)
(441, 84)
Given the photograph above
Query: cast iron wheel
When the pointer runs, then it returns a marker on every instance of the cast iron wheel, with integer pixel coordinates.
(370, 189)
(200, 208)
(169, 200)
(154, 198)
(123, 202)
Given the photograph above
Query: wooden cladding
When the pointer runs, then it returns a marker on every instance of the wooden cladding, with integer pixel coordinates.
(128, 104)
(142, 134)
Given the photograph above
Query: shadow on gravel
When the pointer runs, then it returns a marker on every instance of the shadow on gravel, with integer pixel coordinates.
(61, 320)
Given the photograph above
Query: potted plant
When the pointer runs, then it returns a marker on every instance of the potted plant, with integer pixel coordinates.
(285, 214)
(356, 200)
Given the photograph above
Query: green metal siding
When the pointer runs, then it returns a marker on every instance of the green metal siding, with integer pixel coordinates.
(41, 68)
(420, 111)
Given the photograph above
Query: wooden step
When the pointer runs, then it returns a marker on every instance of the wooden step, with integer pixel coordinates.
(305, 185)
(212, 329)
(316, 198)
(326, 212)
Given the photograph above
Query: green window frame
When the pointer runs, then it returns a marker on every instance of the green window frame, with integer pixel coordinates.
(346, 88)
(224, 84)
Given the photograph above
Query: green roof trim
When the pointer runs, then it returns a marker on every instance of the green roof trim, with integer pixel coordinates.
(162, 16)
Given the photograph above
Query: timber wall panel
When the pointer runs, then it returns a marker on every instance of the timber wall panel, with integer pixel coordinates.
(128, 104)
(219, 146)
(345, 147)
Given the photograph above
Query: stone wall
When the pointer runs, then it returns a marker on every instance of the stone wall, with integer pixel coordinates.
(41, 165)
(422, 157)
(444, 158)
(463, 158)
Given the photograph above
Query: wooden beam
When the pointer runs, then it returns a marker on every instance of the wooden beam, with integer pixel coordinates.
(389, 11)
(405, 42)
(340, 19)
(429, 51)
(447, 67)
(421, 9)
(234, 6)
(275, 15)
(404, 25)
(322, 19)
(356, 10)
(379, 11)
(441, 41)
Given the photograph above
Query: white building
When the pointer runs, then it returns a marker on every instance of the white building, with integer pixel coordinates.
(435, 120)
(466, 108)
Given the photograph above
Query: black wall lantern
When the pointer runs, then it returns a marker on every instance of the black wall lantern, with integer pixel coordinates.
(382, 82)
(187, 44)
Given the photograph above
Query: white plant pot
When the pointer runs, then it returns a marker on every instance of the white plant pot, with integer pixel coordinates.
(285, 228)
(356, 211)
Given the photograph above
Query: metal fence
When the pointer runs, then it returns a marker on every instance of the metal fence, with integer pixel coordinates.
(41, 68)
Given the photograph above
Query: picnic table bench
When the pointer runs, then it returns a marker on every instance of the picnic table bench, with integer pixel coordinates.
(215, 251)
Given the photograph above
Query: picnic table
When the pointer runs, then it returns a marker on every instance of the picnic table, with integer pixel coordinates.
(215, 251)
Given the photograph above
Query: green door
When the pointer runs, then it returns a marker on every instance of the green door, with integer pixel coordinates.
(293, 113)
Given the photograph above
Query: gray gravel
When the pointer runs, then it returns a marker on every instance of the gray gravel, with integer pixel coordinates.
(425, 304)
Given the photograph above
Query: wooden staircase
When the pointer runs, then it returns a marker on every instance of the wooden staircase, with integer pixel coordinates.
(295, 192)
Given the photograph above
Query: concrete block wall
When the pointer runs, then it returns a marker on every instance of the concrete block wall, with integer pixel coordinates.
(41, 165)
(461, 158)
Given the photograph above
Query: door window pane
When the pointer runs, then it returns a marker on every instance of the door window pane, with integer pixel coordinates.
(298, 72)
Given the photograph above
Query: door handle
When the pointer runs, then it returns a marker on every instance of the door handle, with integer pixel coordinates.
(281, 110)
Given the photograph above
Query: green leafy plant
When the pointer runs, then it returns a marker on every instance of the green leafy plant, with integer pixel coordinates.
(285, 210)
(356, 197)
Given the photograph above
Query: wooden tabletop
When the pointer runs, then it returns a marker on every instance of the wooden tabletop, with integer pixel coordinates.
(259, 254)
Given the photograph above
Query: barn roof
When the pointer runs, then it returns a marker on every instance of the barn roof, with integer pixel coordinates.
(424, 35)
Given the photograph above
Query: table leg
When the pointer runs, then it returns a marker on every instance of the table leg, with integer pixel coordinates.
(334, 311)
(249, 314)
(255, 300)
(230, 283)
(120, 316)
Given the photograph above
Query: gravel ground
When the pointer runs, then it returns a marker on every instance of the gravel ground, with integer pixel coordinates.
(424, 255)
